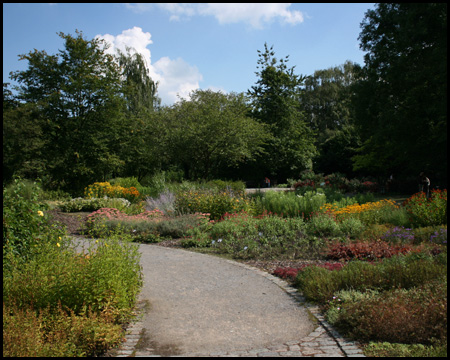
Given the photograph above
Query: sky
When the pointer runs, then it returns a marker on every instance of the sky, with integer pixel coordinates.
(191, 46)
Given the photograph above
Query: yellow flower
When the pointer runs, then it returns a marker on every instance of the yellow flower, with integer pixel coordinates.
(57, 244)
(40, 213)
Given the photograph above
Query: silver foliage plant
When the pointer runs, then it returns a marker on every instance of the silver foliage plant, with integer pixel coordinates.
(165, 202)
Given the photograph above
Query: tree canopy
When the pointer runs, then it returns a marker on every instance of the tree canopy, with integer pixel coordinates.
(401, 105)
(275, 101)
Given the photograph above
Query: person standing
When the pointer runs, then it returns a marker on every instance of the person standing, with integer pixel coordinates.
(424, 184)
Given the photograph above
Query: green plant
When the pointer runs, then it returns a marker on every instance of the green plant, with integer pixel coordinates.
(290, 204)
(427, 212)
(416, 315)
(352, 227)
(25, 222)
(323, 225)
(209, 201)
(388, 349)
(50, 333)
(405, 271)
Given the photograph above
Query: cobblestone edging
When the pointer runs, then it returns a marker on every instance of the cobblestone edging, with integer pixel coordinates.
(324, 341)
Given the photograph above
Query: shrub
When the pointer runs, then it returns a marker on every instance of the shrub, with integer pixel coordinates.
(212, 202)
(47, 333)
(101, 189)
(427, 212)
(80, 204)
(25, 222)
(352, 227)
(365, 251)
(289, 204)
(106, 276)
(398, 271)
(387, 349)
(417, 315)
(291, 273)
(165, 202)
(323, 225)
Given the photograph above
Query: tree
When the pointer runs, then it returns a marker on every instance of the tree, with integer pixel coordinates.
(140, 141)
(402, 104)
(211, 131)
(327, 105)
(275, 102)
(139, 88)
(78, 94)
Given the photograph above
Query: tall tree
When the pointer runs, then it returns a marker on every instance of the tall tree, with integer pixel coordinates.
(78, 93)
(211, 131)
(141, 137)
(275, 102)
(139, 89)
(402, 102)
(327, 104)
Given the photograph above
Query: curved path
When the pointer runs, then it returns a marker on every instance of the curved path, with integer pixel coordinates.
(200, 305)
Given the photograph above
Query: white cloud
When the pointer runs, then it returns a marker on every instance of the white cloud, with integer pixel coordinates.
(180, 78)
(255, 14)
(175, 77)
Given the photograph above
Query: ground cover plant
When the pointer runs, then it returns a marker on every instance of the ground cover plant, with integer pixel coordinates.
(56, 300)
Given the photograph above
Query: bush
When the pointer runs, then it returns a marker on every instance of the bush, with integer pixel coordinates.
(212, 202)
(289, 204)
(108, 275)
(416, 315)
(323, 225)
(61, 333)
(387, 349)
(102, 189)
(398, 271)
(80, 204)
(365, 251)
(427, 212)
(165, 202)
(25, 222)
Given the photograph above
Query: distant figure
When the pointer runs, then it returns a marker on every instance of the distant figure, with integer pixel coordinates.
(389, 183)
(424, 184)
(267, 181)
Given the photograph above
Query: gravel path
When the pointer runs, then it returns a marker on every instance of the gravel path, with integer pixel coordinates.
(201, 303)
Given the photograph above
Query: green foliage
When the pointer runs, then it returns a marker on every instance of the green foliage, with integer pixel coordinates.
(428, 212)
(408, 271)
(80, 204)
(49, 333)
(275, 102)
(387, 349)
(244, 236)
(210, 131)
(107, 275)
(404, 126)
(414, 316)
(214, 203)
(289, 204)
(25, 223)
(327, 106)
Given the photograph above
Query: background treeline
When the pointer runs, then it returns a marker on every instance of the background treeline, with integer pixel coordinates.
(82, 115)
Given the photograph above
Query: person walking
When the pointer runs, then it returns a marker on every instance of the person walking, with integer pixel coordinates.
(424, 184)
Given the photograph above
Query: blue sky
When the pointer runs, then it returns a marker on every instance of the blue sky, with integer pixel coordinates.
(190, 46)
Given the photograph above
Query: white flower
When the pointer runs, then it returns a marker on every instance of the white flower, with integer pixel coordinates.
(260, 234)
(245, 248)
(220, 240)
(213, 242)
